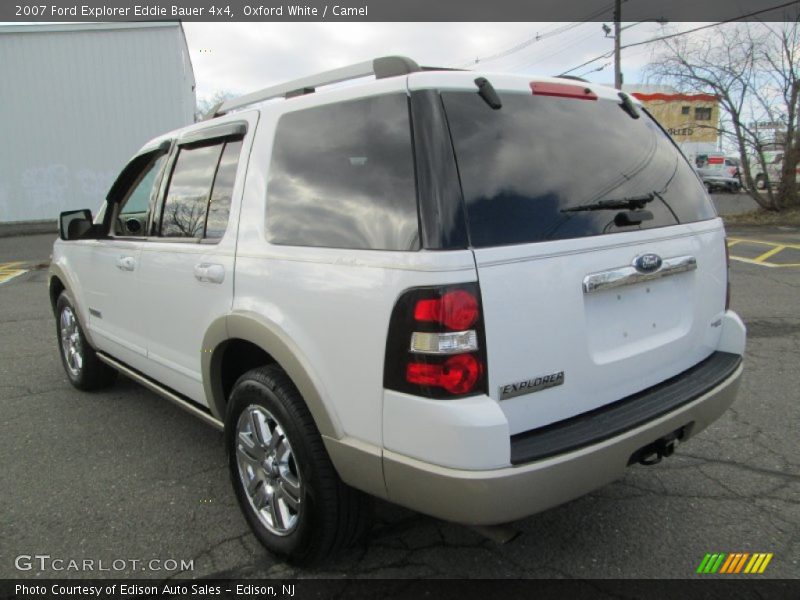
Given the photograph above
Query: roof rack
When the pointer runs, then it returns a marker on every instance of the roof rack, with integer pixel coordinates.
(382, 67)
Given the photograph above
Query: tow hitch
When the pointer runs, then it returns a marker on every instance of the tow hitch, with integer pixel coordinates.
(652, 454)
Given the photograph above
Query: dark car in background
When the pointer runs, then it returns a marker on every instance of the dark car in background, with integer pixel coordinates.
(717, 180)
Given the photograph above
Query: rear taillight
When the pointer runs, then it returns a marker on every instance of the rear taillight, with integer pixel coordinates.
(727, 276)
(436, 343)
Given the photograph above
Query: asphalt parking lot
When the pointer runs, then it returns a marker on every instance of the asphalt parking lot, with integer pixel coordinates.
(123, 474)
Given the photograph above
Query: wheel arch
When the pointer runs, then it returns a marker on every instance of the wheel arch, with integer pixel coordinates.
(238, 332)
(59, 281)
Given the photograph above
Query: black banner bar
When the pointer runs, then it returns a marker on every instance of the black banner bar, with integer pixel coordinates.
(394, 10)
(733, 588)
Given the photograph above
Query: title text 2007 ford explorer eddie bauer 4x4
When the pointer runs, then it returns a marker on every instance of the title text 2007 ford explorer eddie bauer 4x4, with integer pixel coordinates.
(402, 287)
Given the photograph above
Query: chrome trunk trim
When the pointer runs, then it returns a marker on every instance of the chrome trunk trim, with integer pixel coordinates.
(629, 275)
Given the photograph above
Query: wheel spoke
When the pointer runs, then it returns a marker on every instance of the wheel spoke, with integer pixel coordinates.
(275, 439)
(251, 484)
(250, 447)
(261, 498)
(257, 428)
(275, 512)
(290, 493)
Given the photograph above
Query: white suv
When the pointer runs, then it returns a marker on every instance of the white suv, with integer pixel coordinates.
(474, 296)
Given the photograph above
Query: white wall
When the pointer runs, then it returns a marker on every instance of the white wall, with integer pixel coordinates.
(76, 102)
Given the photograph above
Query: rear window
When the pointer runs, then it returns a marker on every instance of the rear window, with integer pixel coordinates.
(342, 176)
(524, 166)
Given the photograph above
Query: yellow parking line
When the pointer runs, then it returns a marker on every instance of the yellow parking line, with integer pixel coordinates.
(761, 258)
(750, 261)
(762, 242)
(9, 275)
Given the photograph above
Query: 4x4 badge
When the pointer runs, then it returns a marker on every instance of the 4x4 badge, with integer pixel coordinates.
(647, 263)
(528, 386)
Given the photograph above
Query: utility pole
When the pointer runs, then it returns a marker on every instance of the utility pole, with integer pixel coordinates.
(617, 44)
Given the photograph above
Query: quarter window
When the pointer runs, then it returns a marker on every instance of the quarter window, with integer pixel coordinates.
(342, 176)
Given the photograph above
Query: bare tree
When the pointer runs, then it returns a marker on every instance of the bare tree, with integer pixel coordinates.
(207, 103)
(782, 56)
(752, 69)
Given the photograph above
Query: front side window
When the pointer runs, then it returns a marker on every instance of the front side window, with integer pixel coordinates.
(342, 176)
(135, 207)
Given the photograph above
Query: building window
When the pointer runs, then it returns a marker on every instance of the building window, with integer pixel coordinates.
(685, 110)
(702, 114)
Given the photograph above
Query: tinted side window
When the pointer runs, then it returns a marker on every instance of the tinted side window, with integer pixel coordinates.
(219, 206)
(342, 176)
(184, 212)
(135, 208)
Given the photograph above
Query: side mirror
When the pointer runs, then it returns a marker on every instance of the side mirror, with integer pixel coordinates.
(76, 225)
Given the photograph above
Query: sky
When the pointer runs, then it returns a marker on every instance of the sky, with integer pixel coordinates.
(243, 57)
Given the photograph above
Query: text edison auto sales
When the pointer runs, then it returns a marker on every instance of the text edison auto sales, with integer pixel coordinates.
(131, 589)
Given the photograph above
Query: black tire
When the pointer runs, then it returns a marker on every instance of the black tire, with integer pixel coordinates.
(330, 515)
(709, 188)
(84, 370)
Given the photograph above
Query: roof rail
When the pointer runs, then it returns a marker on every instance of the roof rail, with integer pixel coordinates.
(382, 67)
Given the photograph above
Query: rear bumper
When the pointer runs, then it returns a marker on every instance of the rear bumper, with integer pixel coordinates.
(501, 495)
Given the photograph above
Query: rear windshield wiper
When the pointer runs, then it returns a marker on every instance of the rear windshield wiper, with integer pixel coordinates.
(631, 203)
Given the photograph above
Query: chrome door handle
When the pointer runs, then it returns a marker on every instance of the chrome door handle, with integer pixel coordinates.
(209, 273)
(126, 263)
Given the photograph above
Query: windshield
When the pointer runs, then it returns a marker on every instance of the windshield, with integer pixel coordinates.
(524, 166)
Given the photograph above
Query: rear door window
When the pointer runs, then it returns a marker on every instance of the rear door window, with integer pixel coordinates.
(528, 166)
(342, 176)
(198, 200)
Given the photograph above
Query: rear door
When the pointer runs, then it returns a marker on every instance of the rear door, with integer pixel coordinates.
(600, 260)
(187, 264)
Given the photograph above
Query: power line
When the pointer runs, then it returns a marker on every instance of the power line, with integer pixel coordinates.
(525, 64)
(673, 35)
(540, 37)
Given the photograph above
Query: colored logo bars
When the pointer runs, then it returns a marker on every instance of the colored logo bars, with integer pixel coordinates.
(736, 562)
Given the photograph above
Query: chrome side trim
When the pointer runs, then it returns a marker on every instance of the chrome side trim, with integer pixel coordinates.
(162, 391)
(629, 275)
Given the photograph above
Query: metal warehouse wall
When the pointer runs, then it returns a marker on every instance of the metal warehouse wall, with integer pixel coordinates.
(76, 101)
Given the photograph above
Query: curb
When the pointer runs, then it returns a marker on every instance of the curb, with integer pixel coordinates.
(19, 228)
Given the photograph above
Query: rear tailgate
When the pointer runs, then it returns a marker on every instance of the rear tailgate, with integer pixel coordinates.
(565, 187)
(608, 343)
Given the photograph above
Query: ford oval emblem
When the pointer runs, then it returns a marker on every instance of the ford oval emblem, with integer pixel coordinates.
(647, 263)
